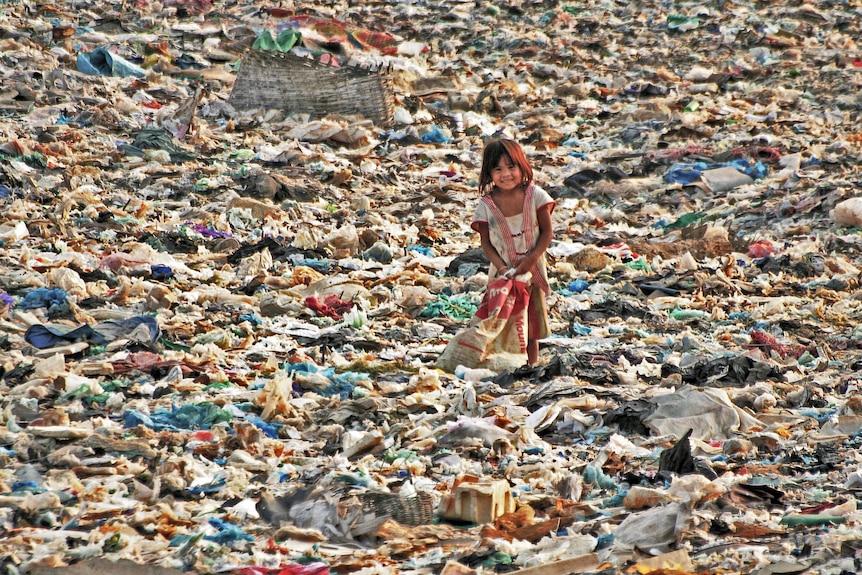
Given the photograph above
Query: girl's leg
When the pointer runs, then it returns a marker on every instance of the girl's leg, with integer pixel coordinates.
(532, 351)
(537, 324)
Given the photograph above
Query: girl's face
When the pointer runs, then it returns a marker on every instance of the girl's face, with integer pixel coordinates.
(506, 175)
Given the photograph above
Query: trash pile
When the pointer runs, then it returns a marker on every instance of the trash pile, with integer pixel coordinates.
(219, 323)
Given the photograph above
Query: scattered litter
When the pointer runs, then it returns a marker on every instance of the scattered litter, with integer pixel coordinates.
(236, 256)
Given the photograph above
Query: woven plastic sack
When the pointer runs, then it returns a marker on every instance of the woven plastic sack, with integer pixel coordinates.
(496, 337)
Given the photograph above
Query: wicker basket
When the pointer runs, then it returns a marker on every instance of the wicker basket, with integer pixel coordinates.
(297, 84)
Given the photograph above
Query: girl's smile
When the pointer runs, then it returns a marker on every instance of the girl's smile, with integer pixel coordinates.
(506, 175)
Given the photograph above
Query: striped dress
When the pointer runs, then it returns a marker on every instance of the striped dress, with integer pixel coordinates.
(513, 237)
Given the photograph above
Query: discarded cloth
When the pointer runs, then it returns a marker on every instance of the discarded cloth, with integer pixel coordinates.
(140, 329)
(102, 62)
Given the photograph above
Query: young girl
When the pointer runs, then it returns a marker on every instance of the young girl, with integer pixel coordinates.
(514, 223)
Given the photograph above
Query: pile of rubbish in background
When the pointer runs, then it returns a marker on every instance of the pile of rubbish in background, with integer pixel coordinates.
(219, 316)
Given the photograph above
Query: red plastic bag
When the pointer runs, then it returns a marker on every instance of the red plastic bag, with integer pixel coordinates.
(761, 249)
(496, 337)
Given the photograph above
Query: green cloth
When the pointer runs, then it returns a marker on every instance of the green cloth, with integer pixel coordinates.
(283, 43)
(456, 307)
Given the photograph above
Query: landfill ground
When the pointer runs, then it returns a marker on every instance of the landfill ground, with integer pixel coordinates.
(220, 319)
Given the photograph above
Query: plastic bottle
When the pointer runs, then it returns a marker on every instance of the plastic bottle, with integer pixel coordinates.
(473, 373)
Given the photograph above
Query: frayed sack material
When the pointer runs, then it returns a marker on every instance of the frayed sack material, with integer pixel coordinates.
(496, 337)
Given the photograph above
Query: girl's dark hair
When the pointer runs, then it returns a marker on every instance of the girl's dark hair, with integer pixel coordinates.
(496, 149)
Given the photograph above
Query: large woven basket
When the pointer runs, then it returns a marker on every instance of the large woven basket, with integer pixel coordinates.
(297, 84)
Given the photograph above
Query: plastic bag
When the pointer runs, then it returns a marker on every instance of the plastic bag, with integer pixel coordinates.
(102, 62)
(496, 337)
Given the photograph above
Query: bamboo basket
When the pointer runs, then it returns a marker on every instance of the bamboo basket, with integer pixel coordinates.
(298, 84)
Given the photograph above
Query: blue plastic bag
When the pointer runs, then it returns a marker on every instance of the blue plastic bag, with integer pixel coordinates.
(101, 62)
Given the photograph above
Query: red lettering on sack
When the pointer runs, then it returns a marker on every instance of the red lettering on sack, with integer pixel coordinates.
(494, 292)
(522, 340)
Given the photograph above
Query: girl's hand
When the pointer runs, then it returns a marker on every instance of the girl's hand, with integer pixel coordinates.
(523, 266)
